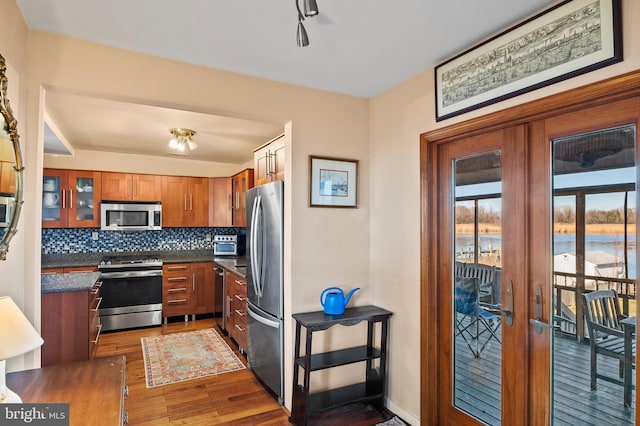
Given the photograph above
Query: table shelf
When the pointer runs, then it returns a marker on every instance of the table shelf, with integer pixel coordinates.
(372, 390)
(341, 357)
(335, 398)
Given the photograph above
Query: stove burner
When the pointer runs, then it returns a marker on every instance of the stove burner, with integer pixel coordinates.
(128, 262)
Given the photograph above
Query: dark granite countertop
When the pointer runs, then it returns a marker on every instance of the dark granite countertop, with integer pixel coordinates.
(92, 259)
(73, 281)
(237, 265)
(170, 256)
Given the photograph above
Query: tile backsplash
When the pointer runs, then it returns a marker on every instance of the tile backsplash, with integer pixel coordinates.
(80, 240)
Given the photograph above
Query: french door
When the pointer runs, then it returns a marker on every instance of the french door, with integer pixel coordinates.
(520, 222)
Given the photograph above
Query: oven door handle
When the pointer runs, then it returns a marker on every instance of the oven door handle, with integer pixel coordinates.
(131, 274)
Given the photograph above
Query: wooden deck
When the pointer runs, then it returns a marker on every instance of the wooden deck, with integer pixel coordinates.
(477, 386)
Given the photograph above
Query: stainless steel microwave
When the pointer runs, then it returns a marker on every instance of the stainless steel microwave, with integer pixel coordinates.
(6, 210)
(130, 216)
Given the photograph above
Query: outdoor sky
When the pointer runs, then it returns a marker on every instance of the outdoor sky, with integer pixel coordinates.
(599, 202)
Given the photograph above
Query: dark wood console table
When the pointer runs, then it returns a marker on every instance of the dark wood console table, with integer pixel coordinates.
(94, 390)
(372, 391)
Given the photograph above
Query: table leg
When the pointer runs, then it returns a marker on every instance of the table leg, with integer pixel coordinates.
(628, 336)
(298, 399)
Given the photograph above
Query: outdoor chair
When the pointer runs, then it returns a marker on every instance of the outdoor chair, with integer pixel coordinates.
(606, 336)
(488, 279)
(474, 322)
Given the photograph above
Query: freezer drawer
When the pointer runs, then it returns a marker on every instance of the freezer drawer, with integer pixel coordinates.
(266, 349)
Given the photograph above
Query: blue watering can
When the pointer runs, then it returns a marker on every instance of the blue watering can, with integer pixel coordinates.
(333, 300)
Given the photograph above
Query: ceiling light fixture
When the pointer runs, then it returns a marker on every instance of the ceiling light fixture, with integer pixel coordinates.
(182, 138)
(310, 8)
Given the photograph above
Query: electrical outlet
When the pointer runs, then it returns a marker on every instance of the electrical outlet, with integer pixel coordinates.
(207, 237)
(94, 235)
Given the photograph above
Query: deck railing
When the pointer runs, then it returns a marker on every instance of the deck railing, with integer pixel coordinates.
(568, 289)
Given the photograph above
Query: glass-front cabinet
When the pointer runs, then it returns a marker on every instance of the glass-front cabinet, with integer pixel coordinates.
(70, 198)
(241, 183)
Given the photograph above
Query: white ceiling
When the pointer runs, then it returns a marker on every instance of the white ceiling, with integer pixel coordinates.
(357, 47)
(106, 125)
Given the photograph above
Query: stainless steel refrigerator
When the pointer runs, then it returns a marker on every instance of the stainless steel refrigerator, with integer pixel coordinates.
(265, 240)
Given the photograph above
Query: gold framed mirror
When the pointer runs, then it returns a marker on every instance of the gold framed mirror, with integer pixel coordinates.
(11, 168)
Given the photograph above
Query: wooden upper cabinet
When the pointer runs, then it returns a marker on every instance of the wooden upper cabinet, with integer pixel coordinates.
(185, 201)
(7, 177)
(131, 187)
(220, 207)
(174, 201)
(269, 161)
(240, 182)
(71, 198)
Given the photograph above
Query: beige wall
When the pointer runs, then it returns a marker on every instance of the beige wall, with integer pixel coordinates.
(397, 119)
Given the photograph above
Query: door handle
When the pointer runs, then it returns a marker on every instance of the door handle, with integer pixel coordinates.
(507, 312)
(537, 322)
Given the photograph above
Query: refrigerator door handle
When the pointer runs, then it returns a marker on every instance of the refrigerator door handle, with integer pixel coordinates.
(263, 320)
(252, 246)
(255, 276)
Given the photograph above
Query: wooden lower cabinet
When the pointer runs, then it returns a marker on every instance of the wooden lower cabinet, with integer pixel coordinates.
(187, 289)
(176, 289)
(70, 325)
(202, 295)
(237, 312)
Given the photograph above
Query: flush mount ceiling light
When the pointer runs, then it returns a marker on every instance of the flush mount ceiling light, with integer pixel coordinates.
(182, 139)
(309, 9)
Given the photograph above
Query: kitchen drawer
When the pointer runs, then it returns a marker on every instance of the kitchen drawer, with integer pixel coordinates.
(241, 337)
(175, 307)
(240, 323)
(94, 318)
(176, 298)
(238, 294)
(240, 311)
(177, 282)
(176, 269)
(239, 282)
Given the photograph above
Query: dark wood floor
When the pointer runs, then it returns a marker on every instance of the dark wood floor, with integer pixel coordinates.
(478, 386)
(235, 398)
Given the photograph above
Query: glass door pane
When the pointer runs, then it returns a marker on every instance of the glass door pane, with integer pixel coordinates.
(594, 249)
(477, 257)
(51, 198)
(84, 201)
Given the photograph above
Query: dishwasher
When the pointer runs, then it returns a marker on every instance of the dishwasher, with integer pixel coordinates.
(220, 297)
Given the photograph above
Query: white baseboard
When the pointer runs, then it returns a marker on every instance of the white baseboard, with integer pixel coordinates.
(404, 415)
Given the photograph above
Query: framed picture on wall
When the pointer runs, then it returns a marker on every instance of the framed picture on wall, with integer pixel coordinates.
(333, 182)
(571, 38)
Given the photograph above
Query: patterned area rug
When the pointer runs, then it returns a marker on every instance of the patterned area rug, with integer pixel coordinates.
(177, 357)
(394, 421)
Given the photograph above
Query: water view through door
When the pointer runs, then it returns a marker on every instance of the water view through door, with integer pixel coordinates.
(594, 252)
(591, 246)
(477, 286)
